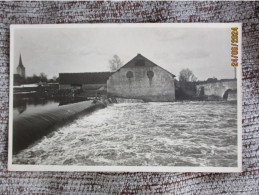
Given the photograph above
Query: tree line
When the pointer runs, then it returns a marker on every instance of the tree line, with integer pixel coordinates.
(42, 77)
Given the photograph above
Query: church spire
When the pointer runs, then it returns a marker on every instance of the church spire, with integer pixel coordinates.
(20, 61)
(20, 69)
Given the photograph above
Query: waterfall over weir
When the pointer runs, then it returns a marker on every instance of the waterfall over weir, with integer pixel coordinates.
(143, 134)
(29, 128)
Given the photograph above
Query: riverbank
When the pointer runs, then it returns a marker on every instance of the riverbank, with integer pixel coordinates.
(29, 128)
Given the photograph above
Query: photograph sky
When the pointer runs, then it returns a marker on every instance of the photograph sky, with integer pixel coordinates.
(51, 50)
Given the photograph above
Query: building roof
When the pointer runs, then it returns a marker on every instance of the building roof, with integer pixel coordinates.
(84, 78)
(140, 61)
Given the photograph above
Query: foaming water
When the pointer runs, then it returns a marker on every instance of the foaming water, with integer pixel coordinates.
(144, 134)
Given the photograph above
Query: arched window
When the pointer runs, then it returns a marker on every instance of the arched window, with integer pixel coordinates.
(129, 74)
(150, 74)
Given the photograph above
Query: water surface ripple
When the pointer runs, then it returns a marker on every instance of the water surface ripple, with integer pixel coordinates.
(144, 134)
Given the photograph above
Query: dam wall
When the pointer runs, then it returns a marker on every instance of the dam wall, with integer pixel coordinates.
(29, 128)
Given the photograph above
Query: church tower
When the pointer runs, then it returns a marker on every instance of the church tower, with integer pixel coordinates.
(20, 68)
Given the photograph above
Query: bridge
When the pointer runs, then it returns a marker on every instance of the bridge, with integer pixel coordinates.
(221, 89)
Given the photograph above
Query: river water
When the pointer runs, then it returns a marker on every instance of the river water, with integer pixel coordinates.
(143, 134)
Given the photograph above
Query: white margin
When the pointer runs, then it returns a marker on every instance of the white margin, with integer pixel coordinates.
(13, 167)
(239, 96)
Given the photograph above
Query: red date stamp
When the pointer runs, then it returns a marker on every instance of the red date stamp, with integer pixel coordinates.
(234, 47)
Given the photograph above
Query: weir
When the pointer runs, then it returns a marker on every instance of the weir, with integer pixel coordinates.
(29, 128)
(122, 135)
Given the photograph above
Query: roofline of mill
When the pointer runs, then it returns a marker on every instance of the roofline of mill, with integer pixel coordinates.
(83, 72)
(145, 59)
(158, 65)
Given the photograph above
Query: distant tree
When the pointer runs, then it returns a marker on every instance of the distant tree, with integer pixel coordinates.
(35, 78)
(186, 75)
(115, 63)
(214, 79)
(53, 80)
(43, 77)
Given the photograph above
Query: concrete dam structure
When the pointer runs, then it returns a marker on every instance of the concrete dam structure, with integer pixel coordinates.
(29, 128)
(223, 89)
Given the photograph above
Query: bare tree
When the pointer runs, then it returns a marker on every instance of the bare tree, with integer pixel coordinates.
(186, 75)
(115, 63)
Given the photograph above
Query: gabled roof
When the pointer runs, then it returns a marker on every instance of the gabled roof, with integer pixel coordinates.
(141, 61)
(84, 78)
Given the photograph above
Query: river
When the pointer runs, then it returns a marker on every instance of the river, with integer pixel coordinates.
(143, 134)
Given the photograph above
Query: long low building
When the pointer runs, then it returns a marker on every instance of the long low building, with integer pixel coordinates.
(89, 82)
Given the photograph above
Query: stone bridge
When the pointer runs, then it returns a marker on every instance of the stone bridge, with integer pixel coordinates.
(223, 89)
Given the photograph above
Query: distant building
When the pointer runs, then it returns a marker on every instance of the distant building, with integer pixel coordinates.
(19, 76)
(89, 82)
(20, 69)
(142, 79)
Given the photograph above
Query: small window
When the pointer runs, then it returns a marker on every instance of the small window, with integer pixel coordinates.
(140, 62)
(150, 74)
(129, 74)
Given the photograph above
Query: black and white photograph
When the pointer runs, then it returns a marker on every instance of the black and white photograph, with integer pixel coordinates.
(125, 97)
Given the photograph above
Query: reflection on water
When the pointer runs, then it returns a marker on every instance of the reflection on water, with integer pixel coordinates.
(144, 134)
(30, 105)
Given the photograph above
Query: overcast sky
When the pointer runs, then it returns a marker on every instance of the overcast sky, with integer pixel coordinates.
(205, 51)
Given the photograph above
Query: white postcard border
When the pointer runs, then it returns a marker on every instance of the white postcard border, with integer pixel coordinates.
(14, 167)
